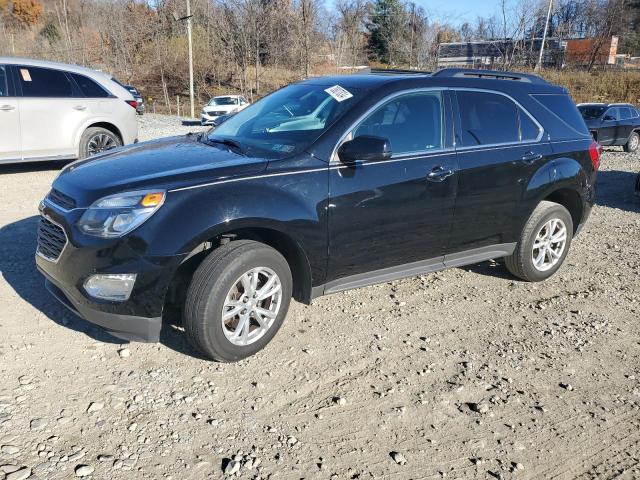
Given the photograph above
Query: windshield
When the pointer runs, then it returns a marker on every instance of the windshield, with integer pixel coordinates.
(223, 101)
(591, 112)
(287, 121)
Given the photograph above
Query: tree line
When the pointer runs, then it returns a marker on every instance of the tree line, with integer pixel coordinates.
(254, 46)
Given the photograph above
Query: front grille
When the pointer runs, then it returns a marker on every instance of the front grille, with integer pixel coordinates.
(63, 201)
(51, 240)
(217, 113)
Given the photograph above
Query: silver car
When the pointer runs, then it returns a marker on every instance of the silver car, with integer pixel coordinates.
(53, 111)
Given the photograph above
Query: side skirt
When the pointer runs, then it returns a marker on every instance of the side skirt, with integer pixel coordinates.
(421, 267)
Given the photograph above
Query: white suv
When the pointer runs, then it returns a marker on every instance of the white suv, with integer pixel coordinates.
(53, 111)
(221, 106)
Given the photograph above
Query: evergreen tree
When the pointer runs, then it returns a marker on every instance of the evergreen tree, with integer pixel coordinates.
(386, 23)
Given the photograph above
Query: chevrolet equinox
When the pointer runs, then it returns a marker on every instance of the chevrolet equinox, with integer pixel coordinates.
(325, 185)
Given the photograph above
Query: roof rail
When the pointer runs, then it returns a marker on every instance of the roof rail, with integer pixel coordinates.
(395, 71)
(491, 74)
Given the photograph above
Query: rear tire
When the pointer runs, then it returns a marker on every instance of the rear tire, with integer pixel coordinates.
(96, 140)
(223, 285)
(632, 143)
(543, 244)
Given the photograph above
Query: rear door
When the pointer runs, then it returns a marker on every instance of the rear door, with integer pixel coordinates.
(499, 147)
(50, 113)
(608, 130)
(9, 118)
(625, 125)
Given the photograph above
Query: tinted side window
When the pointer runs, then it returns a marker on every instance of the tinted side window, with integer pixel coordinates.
(635, 113)
(88, 87)
(4, 90)
(563, 107)
(411, 122)
(44, 82)
(625, 113)
(487, 118)
(528, 129)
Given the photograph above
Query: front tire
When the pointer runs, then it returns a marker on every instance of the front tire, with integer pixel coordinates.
(96, 140)
(237, 300)
(632, 143)
(543, 244)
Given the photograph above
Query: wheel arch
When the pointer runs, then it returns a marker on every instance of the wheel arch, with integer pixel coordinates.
(107, 125)
(570, 199)
(283, 243)
(563, 181)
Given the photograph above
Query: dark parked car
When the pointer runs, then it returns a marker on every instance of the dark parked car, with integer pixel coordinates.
(613, 123)
(140, 108)
(325, 185)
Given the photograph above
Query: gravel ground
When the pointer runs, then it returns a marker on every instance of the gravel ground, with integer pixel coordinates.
(156, 126)
(466, 373)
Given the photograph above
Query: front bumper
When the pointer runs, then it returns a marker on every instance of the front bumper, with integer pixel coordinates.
(126, 327)
(208, 119)
(140, 317)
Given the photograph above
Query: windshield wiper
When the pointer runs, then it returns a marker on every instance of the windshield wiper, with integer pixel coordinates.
(235, 146)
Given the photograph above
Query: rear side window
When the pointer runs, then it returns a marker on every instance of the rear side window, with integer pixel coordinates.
(4, 90)
(88, 87)
(625, 113)
(44, 82)
(411, 122)
(487, 118)
(529, 130)
(563, 107)
(634, 113)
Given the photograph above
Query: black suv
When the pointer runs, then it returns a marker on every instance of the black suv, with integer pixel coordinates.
(325, 185)
(613, 124)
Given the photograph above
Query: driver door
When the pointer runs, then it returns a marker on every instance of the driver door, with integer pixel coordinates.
(392, 218)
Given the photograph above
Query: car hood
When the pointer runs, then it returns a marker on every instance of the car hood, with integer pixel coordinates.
(168, 163)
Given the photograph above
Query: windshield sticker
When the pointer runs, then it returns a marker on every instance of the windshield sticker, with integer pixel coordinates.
(26, 76)
(338, 93)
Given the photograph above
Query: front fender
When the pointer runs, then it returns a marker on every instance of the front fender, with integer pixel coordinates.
(293, 203)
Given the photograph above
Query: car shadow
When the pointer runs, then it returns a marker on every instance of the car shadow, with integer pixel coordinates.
(17, 266)
(191, 123)
(26, 167)
(615, 189)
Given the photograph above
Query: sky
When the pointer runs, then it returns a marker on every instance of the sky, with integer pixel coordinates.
(456, 12)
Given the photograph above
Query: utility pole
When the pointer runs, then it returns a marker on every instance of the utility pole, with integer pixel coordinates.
(188, 19)
(191, 57)
(544, 38)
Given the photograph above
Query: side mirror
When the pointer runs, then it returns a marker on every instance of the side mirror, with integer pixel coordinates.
(607, 118)
(365, 147)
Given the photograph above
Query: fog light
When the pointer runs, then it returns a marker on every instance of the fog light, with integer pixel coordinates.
(115, 287)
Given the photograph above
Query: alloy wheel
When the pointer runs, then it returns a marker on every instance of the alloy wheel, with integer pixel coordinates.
(549, 244)
(251, 306)
(99, 143)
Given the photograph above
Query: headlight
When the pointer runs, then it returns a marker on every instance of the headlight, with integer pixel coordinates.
(116, 215)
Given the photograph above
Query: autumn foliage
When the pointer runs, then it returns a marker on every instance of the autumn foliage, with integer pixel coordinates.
(26, 12)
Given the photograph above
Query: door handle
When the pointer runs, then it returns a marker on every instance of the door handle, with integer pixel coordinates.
(439, 174)
(7, 108)
(80, 107)
(531, 157)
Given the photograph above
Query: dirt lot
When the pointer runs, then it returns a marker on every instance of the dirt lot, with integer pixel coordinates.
(466, 373)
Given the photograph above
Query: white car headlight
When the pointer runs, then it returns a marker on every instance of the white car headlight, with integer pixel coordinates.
(117, 215)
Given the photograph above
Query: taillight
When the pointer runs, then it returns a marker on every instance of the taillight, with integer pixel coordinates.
(595, 150)
(133, 103)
